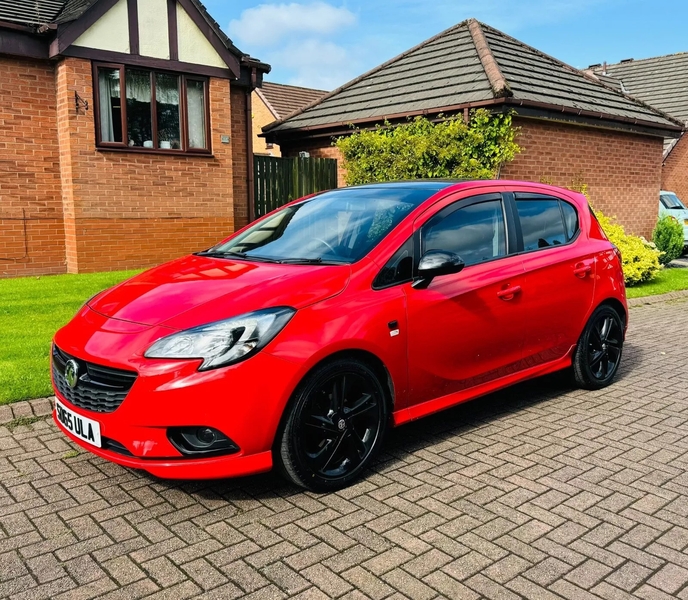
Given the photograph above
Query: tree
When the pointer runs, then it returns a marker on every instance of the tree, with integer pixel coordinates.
(421, 149)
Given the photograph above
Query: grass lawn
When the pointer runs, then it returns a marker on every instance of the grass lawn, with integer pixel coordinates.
(32, 309)
(668, 280)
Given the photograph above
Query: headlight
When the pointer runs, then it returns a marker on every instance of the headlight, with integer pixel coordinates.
(224, 342)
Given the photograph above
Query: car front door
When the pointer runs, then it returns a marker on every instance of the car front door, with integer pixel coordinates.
(559, 275)
(465, 329)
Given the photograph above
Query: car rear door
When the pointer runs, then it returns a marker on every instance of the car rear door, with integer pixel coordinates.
(559, 284)
(465, 329)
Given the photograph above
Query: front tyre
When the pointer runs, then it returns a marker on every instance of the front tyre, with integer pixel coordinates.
(335, 424)
(599, 349)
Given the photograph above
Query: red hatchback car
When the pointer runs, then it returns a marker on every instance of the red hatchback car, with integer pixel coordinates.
(300, 339)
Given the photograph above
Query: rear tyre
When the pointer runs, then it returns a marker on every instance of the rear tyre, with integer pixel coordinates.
(598, 353)
(334, 426)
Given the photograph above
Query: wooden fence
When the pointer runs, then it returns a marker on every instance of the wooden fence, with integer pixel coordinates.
(280, 180)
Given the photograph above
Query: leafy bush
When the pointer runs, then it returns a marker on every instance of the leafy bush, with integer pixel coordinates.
(668, 236)
(640, 259)
(421, 149)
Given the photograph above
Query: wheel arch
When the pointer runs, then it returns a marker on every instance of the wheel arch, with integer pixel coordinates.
(618, 306)
(365, 356)
(370, 359)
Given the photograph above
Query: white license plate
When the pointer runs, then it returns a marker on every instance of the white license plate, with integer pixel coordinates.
(85, 429)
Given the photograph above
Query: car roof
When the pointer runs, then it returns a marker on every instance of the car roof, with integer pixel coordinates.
(423, 184)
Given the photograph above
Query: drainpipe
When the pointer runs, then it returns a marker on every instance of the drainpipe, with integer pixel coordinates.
(249, 147)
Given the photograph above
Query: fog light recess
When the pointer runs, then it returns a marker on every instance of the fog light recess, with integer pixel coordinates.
(200, 441)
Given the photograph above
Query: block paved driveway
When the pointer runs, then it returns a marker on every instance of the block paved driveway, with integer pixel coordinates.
(538, 492)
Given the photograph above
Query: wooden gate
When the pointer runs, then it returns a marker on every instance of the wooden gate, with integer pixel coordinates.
(277, 180)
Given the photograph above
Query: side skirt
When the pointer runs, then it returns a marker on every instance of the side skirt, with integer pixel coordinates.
(432, 406)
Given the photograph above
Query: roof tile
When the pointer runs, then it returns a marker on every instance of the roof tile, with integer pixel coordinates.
(286, 99)
(661, 81)
(447, 70)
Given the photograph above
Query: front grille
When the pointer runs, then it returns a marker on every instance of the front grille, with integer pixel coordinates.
(100, 389)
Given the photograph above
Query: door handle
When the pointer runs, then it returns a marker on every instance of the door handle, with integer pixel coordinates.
(581, 270)
(509, 293)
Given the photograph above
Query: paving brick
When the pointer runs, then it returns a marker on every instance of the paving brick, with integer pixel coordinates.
(537, 492)
(628, 576)
(547, 571)
(669, 579)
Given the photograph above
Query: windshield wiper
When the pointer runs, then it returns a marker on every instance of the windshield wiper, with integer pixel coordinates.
(311, 261)
(242, 255)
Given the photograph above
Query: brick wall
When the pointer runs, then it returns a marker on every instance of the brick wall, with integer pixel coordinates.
(31, 228)
(622, 170)
(675, 170)
(260, 118)
(133, 210)
(240, 156)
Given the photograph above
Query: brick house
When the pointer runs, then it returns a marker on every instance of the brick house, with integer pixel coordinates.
(573, 127)
(275, 101)
(125, 133)
(660, 82)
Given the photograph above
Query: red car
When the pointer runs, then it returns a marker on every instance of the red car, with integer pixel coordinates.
(300, 339)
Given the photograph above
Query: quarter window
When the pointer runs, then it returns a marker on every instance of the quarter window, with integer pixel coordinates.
(150, 110)
(475, 232)
(570, 220)
(399, 268)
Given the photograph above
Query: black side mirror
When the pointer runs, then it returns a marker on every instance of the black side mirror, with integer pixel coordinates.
(435, 263)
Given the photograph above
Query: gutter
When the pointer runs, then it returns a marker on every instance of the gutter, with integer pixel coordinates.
(249, 147)
(344, 127)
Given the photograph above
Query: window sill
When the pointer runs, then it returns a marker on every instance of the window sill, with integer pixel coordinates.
(158, 152)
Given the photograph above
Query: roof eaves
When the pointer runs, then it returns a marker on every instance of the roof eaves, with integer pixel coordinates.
(671, 146)
(343, 126)
(596, 115)
(267, 103)
(498, 83)
(347, 85)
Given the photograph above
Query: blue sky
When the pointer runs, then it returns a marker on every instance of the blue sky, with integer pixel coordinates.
(324, 44)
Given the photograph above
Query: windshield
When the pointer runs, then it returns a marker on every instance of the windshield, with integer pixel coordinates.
(671, 201)
(335, 227)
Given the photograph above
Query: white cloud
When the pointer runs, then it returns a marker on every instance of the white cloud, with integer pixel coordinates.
(315, 63)
(269, 24)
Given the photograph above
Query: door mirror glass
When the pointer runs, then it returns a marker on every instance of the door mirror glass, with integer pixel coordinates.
(435, 263)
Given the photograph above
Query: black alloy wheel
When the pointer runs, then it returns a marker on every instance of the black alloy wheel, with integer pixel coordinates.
(334, 426)
(599, 349)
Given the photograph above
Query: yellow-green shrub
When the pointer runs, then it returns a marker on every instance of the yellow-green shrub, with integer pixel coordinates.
(640, 258)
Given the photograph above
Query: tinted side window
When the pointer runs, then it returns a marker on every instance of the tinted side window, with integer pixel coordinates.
(541, 223)
(476, 232)
(570, 220)
(399, 268)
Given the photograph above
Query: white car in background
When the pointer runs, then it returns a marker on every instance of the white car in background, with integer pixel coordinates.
(669, 204)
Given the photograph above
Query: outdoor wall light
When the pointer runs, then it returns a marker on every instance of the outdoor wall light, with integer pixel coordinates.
(79, 102)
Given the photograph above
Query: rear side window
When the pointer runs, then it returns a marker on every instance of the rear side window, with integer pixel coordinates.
(546, 222)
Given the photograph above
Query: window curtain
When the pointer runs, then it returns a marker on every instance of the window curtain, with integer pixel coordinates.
(109, 89)
(196, 109)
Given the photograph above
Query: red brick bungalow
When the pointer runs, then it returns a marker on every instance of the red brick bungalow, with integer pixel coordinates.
(661, 81)
(125, 133)
(573, 127)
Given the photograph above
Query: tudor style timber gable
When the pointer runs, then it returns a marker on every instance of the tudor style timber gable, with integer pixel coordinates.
(176, 35)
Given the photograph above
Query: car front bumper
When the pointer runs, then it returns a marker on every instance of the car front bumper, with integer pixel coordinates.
(244, 401)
